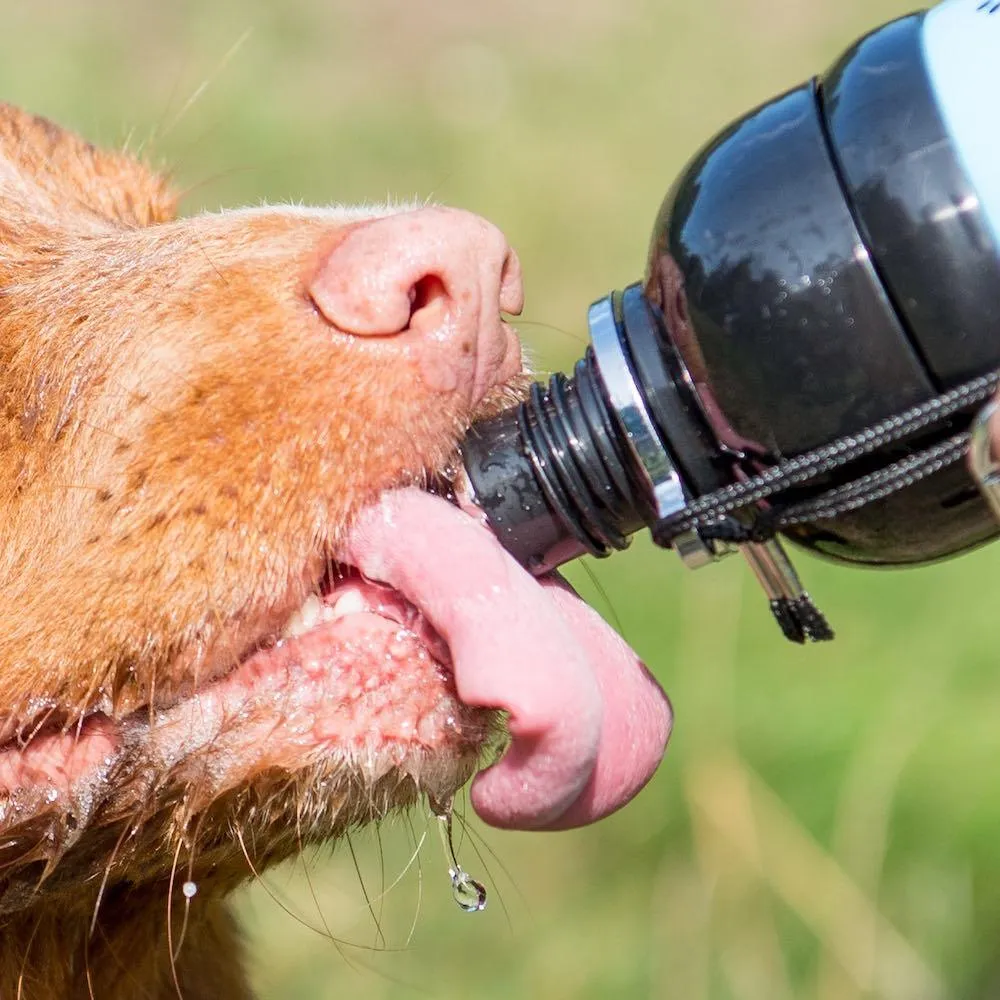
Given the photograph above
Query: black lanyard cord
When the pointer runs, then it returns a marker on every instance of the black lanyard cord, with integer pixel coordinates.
(711, 515)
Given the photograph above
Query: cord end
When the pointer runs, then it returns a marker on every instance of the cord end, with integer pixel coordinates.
(800, 620)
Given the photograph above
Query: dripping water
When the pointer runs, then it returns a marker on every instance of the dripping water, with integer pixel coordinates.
(468, 893)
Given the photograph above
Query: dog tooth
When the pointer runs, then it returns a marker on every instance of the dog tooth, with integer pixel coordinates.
(304, 618)
(349, 603)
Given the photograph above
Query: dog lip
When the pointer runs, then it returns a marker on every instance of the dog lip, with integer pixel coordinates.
(42, 715)
(361, 685)
(42, 747)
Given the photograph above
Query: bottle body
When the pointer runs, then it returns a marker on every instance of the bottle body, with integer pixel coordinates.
(827, 262)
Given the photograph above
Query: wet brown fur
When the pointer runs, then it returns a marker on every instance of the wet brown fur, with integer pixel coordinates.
(182, 436)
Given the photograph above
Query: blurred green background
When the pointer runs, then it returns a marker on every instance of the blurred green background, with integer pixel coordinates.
(827, 824)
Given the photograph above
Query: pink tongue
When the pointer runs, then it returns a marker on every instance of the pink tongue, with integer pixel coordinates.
(588, 722)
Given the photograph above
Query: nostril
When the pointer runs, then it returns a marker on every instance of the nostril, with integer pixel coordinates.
(429, 290)
(511, 284)
(430, 303)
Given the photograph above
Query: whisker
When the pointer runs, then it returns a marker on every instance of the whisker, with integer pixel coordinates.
(380, 942)
(479, 845)
(280, 903)
(170, 919)
(577, 338)
(381, 874)
(190, 878)
(602, 591)
(107, 874)
(24, 960)
(214, 178)
(86, 968)
(415, 859)
(200, 90)
(327, 932)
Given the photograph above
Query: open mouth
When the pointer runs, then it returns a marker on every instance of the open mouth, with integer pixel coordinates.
(356, 676)
(384, 673)
(396, 669)
(353, 604)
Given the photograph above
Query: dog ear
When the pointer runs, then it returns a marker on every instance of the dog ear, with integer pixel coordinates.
(58, 177)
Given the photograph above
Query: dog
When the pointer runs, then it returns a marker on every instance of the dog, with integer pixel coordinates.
(218, 437)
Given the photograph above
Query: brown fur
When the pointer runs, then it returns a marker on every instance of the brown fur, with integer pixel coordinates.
(181, 440)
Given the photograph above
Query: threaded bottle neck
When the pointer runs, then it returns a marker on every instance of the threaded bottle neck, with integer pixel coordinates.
(575, 446)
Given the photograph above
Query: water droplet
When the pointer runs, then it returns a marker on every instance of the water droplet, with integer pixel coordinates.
(51, 795)
(467, 892)
(190, 889)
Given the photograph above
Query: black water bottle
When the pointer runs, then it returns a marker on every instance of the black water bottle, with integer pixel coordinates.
(818, 322)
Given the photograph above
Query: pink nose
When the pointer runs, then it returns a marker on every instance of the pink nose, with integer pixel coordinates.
(434, 282)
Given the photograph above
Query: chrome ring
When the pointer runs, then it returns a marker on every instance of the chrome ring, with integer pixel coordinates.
(630, 409)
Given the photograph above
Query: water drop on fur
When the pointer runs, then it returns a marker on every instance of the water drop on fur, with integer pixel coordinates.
(467, 892)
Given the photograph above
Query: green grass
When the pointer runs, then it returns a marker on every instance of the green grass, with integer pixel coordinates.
(826, 824)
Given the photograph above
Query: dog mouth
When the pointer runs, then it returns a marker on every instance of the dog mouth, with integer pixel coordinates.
(422, 649)
(349, 713)
(346, 594)
(356, 679)
(359, 671)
